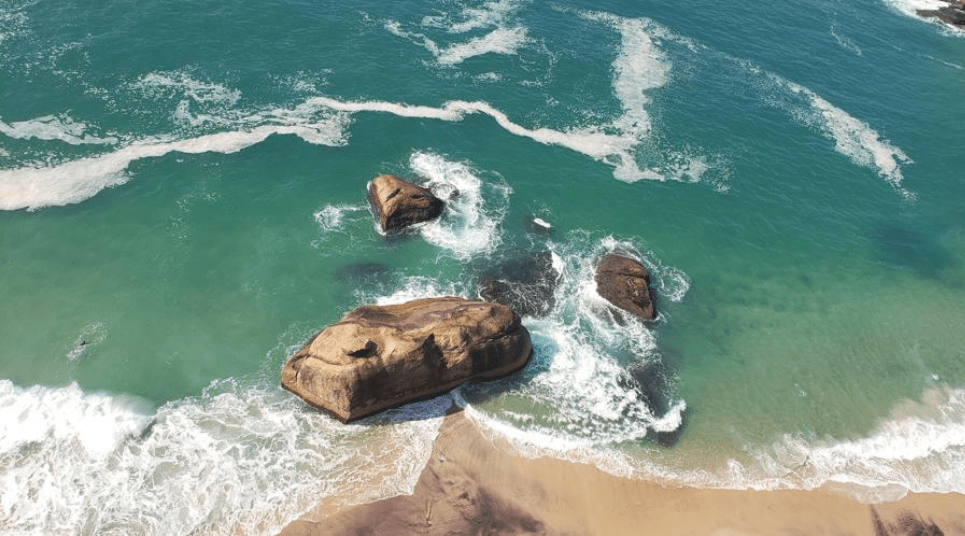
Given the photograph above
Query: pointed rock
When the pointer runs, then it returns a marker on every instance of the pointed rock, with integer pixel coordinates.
(399, 204)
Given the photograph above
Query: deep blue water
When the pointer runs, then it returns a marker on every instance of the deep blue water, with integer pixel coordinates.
(182, 206)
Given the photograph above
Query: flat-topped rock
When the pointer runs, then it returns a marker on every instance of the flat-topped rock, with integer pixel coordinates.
(625, 283)
(399, 204)
(380, 357)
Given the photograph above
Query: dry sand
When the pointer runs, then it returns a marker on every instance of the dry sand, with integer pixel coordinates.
(475, 486)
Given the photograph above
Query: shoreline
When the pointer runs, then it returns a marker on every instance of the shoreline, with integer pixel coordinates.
(474, 485)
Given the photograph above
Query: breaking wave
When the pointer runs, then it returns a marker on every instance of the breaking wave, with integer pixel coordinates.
(240, 459)
(474, 210)
(910, 8)
(588, 385)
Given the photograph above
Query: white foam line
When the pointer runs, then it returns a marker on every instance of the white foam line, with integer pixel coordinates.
(592, 143)
(857, 140)
(640, 67)
(445, 113)
(845, 42)
(77, 180)
(396, 29)
(504, 41)
(50, 128)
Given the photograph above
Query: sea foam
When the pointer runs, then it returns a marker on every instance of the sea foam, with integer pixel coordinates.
(489, 14)
(330, 218)
(505, 35)
(51, 127)
(474, 208)
(77, 180)
(852, 137)
(236, 460)
(12, 23)
(639, 67)
(504, 41)
(578, 393)
(180, 84)
(919, 448)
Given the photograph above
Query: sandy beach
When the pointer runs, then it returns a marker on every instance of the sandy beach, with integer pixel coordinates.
(475, 485)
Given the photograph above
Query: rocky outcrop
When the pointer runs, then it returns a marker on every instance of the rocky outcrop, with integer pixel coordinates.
(625, 283)
(399, 204)
(953, 13)
(527, 284)
(380, 357)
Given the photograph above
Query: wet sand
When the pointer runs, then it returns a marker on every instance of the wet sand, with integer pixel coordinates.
(476, 486)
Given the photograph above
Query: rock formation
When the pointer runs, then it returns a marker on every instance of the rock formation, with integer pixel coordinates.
(526, 284)
(399, 204)
(625, 283)
(379, 357)
(953, 13)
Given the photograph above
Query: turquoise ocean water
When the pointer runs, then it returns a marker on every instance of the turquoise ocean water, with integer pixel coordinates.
(182, 207)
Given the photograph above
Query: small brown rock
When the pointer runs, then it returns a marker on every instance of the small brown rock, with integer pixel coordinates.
(625, 283)
(399, 204)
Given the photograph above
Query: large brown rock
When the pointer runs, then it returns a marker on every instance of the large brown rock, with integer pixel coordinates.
(625, 283)
(380, 357)
(399, 204)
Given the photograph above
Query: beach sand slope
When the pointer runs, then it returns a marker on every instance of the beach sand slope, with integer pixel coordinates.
(474, 485)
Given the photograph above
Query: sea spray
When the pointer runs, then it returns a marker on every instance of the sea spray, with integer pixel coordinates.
(474, 208)
(910, 8)
(578, 390)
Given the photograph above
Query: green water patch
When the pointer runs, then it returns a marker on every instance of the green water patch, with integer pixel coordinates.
(825, 352)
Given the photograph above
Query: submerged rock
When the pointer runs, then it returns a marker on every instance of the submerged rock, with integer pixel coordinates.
(625, 283)
(539, 226)
(526, 284)
(399, 204)
(380, 357)
(655, 383)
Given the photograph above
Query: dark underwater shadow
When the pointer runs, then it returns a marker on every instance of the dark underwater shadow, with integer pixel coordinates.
(904, 247)
(367, 274)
